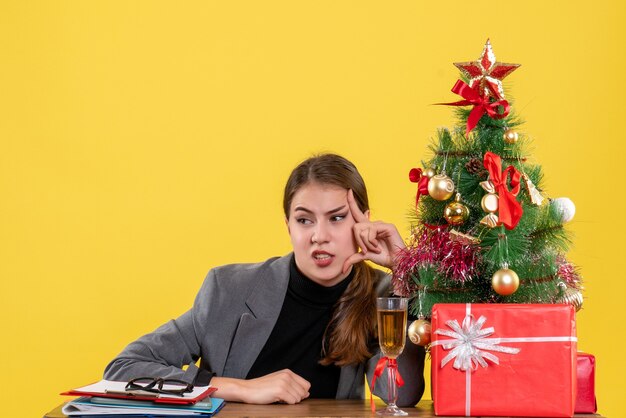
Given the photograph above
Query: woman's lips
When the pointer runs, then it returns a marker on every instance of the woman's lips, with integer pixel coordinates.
(322, 258)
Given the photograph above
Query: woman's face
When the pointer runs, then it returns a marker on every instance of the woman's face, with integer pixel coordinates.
(320, 227)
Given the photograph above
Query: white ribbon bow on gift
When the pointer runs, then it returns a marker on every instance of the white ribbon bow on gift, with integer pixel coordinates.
(469, 342)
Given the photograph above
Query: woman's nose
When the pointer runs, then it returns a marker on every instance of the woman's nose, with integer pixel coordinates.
(321, 234)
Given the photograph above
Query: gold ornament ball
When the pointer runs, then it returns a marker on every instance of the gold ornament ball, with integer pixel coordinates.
(419, 332)
(429, 172)
(440, 187)
(456, 212)
(510, 136)
(505, 282)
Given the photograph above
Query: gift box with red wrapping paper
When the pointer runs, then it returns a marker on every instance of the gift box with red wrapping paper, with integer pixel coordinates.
(586, 393)
(504, 359)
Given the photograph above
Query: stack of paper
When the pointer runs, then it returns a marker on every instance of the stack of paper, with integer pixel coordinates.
(90, 406)
(110, 399)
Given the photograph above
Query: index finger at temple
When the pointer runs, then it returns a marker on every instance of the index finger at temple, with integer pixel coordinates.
(354, 208)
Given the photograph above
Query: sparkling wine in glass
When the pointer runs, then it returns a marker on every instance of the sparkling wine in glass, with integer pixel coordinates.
(391, 314)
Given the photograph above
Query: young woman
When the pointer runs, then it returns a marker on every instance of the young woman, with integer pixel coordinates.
(302, 325)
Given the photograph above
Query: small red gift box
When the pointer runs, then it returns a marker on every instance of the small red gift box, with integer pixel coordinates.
(504, 359)
(586, 394)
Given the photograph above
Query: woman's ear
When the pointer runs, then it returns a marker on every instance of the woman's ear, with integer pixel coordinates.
(367, 214)
(287, 224)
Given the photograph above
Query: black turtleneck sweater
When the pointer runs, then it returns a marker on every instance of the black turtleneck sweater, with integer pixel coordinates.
(296, 340)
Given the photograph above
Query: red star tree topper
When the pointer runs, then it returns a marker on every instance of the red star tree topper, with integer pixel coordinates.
(486, 74)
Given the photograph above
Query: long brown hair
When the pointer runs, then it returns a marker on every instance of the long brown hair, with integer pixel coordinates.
(353, 322)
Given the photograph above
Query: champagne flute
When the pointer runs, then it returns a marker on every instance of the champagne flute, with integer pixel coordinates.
(391, 313)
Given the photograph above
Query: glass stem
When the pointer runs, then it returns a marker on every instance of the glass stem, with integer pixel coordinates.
(392, 392)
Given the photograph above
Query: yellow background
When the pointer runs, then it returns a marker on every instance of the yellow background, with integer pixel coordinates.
(143, 142)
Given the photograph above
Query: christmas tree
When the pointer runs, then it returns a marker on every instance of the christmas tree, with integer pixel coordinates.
(483, 231)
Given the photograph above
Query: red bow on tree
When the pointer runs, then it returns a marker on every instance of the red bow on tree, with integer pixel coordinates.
(481, 104)
(416, 176)
(509, 209)
(390, 363)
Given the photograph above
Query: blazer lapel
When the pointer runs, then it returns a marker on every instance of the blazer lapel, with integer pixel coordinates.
(265, 303)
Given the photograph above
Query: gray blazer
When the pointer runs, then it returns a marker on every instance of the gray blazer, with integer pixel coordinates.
(228, 325)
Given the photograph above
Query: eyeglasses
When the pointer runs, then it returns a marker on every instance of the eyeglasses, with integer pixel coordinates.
(160, 385)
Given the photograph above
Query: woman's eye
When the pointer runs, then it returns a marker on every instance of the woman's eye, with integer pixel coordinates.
(303, 221)
(337, 218)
